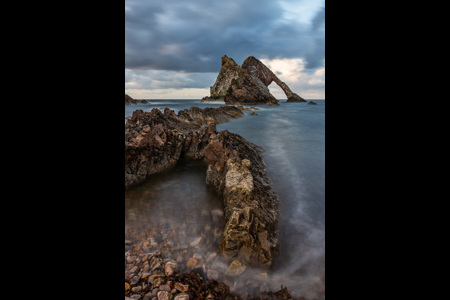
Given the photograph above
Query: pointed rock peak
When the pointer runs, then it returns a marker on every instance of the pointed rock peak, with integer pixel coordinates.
(228, 61)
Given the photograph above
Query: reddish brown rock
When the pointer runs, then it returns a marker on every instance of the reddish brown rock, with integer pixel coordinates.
(155, 141)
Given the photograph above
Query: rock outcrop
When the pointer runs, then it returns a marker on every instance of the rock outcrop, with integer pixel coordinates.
(247, 84)
(155, 141)
(129, 101)
(256, 68)
(237, 172)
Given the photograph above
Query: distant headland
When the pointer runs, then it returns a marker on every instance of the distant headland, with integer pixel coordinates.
(129, 101)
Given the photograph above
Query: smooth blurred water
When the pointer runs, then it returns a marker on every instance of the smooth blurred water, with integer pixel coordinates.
(293, 136)
(174, 208)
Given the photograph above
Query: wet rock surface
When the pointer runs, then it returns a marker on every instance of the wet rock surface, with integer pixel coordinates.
(236, 171)
(155, 141)
(163, 261)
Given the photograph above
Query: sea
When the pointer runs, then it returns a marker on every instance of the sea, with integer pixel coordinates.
(293, 138)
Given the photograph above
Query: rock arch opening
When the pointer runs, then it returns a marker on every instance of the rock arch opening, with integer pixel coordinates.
(276, 91)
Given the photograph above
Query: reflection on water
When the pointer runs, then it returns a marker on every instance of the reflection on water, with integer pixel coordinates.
(175, 213)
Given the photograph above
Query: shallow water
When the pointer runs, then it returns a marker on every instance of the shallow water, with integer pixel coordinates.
(175, 208)
(293, 136)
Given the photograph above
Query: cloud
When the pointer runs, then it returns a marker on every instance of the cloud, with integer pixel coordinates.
(159, 79)
(306, 84)
(177, 45)
(192, 36)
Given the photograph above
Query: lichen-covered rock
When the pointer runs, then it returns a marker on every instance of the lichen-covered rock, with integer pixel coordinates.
(236, 170)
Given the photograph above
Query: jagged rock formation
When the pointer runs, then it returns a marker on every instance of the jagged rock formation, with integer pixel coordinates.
(236, 171)
(247, 84)
(155, 141)
(256, 68)
(236, 86)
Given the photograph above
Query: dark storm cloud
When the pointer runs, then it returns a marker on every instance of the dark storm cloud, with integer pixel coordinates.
(192, 36)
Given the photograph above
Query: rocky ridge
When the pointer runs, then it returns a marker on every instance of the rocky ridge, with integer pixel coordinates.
(155, 141)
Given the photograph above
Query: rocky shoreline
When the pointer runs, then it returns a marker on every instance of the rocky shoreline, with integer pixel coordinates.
(230, 263)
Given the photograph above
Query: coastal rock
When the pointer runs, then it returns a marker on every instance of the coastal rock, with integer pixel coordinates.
(236, 170)
(247, 108)
(247, 84)
(312, 103)
(256, 68)
(155, 141)
(129, 101)
(236, 86)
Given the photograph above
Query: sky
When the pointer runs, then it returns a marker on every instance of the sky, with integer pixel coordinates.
(173, 48)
